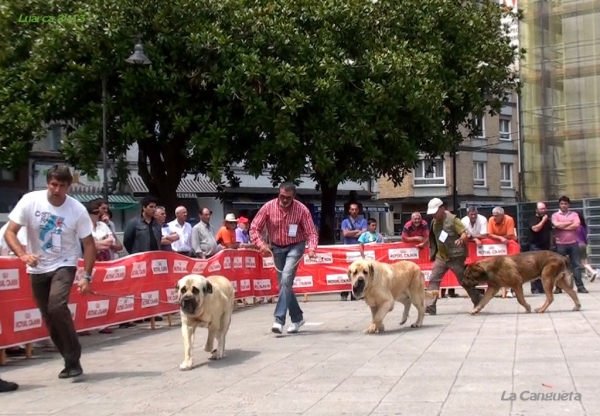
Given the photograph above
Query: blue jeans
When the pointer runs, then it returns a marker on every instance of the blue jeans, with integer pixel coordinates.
(287, 259)
(572, 250)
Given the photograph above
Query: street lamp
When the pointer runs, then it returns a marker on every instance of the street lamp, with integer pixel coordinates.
(137, 58)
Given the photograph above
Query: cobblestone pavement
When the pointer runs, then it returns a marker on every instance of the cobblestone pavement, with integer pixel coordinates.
(456, 364)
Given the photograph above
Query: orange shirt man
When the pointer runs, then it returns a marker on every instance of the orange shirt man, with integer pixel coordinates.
(226, 234)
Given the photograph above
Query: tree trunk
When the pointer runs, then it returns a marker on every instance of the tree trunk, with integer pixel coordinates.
(328, 199)
(162, 179)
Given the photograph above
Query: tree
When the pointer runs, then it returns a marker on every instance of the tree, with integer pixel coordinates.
(346, 90)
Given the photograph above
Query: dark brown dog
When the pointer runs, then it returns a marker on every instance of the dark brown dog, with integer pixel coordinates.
(512, 271)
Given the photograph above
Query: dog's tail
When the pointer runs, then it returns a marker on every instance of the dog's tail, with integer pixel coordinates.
(567, 275)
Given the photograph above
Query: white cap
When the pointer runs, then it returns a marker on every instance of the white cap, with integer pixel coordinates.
(434, 205)
(230, 218)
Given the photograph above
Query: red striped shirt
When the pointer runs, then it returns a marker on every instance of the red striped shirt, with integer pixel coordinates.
(278, 223)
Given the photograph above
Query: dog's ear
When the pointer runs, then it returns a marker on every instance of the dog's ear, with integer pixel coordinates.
(371, 270)
(177, 286)
(208, 288)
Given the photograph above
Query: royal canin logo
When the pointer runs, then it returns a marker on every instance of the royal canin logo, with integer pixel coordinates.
(97, 308)
(245, 285)
(303, 281)
(138, 269)
(262, 284)
(114, 274)
(489, 250)
(9, 279)
(227, 263)
(320, 258)
(180, 266)
(150, 299)
(238, 262)
(160, 266)
(337, 279)
(268, 262)
(215, 266)
(200, 266)
(352, 256)
(250, 262)
(403, 253)
(125, 304)
(27, 319)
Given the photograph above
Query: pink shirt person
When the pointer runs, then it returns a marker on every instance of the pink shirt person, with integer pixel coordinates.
(566, 235)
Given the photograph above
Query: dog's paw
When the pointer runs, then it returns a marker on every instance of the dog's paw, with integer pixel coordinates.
(528, 309)
(539, 310)
(402, 322)
(474, 311)
(371, 329)
(216, 355)
(186, 365)
(415, 325)
(576, 308)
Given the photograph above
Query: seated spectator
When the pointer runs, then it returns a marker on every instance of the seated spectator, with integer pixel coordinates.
(370, 236)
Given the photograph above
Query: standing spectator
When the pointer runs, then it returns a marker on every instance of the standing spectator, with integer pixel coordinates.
(353, 200)
(582, 239)
(540, 238)
(352, 228)
(143, 232)
(447, 248)
(415, 230)
(204, 242)
(21, 236)
(104, 240)
(168, 236)
(56, 223)
(502, 228)
(241, 233)
(290, 227)
(183, 229)
(566, 224)
(226, 234)
(104, 209)
(370, 236)
(106, 218)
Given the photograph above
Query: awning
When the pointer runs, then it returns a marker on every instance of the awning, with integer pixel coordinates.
(188, 188)
(115, 202)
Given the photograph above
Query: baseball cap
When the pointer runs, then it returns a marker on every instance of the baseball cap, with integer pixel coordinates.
(242, 220)
(434, 205)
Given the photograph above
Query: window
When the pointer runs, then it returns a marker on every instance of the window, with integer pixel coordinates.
(7, 176)
(480, 126)
(506, 175)
(430, 173)
(479, 174)
(55, 136)
(504, 129)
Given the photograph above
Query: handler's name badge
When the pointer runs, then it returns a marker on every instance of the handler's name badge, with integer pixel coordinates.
(56, 243)
(293, 230)
(443, 236)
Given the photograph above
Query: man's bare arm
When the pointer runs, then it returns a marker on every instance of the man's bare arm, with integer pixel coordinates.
(10, 235)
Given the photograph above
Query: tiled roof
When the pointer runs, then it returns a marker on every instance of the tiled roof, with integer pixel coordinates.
(186, 186)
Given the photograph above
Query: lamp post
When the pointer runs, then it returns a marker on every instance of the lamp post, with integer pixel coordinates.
(137, 58)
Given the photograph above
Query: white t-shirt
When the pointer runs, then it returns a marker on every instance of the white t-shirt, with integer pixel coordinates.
(53, 232)
(21, 236)
(479, 228)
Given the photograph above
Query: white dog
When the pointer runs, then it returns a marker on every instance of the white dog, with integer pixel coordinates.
(207, 303)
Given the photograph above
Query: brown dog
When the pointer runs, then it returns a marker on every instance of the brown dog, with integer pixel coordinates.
(512, 271)
(381, 285)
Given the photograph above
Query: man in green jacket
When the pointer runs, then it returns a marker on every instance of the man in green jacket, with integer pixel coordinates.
(447, 248)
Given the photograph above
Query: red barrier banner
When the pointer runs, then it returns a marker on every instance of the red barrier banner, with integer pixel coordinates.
(143, 285)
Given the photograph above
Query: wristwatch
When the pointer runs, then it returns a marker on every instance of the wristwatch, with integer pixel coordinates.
(87, 277)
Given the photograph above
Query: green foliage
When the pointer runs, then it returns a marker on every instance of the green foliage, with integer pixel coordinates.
(352, 89)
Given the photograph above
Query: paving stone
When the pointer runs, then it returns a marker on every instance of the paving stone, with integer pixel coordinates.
(456, 364)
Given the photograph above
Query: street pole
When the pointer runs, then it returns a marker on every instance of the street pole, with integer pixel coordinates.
(454, 187)
(104, 144)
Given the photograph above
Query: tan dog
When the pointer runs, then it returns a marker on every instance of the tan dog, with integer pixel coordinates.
(206, 303)
(512, 271)
(381, 285)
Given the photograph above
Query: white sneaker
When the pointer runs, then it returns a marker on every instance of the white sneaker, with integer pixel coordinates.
(277, 328)
(509, 293)
(295, 327)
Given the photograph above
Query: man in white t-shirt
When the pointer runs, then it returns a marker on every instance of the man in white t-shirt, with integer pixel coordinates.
(55, 225)
(475, 225)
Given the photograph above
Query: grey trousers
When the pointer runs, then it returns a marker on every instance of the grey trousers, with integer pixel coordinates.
(51, 292)
(457, 265)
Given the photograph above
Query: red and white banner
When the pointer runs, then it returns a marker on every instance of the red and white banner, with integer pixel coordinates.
(143, 285)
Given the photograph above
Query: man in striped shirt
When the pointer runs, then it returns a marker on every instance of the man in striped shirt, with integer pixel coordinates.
(290, 226)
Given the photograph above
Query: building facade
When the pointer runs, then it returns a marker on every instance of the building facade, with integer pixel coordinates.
(487, 173)
(560, 99)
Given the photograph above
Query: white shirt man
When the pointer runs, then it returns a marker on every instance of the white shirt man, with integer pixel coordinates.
(21, 236)
(183, 230)
(476, 225)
